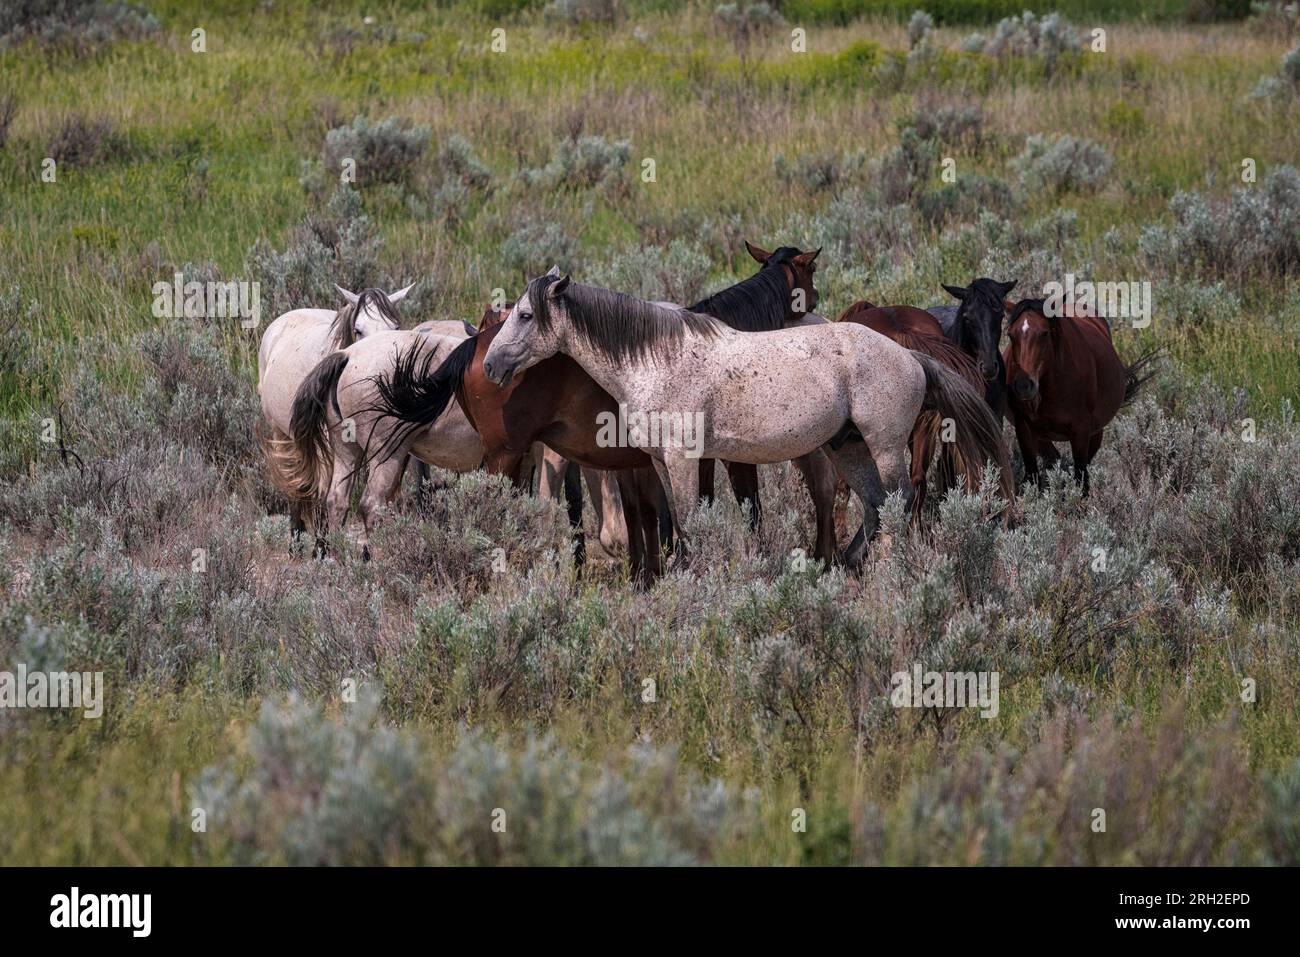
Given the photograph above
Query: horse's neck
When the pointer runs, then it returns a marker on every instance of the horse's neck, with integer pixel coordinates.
(612, 376)
(624, 379)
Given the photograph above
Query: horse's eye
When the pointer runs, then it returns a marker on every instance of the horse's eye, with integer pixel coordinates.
(525, 317)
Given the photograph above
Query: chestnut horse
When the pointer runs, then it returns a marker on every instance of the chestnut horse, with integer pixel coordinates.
(1066, 383)
(556, 404)
(916, 329)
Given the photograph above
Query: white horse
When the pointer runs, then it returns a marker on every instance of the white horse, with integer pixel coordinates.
(334, 430)
(296, 341)
(757, 397)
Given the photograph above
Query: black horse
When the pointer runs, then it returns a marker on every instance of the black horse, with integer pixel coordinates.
(975, 327)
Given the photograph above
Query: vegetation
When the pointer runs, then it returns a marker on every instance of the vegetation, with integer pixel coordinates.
(689, 722)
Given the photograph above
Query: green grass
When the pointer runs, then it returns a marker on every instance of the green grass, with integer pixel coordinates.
(211, 151)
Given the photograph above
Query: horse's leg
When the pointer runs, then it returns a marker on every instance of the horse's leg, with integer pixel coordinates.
(1028, 449)
(819, 476)
(381, 487)
(636, 553)
(744, 482)
(651, 501)
(665, 513)
(680, 477)
(921, 448)
(553, 466)
(573, 502)
(607, 501)
(1083, 448)
(346, 458)
(1050, 455)
(297, 527)
(706, 481)
(854, 463)
(840, 513)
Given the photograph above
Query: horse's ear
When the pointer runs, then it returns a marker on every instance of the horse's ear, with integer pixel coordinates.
(957, 292)
(760, 255)
(1005, 287)
(807, 259)
(553, 272)
(396, 297)
(349, 296)
(558, 287)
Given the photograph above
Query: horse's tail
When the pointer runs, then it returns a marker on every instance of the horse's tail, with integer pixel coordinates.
(979, 434)
(952, 460)
(415, 394)
(1139, 373)
(302, 464)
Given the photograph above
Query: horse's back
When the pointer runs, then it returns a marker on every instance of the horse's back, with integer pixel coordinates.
(291, 346)
(897, 322)
(455, 328)
(451, 442)
(946, 316)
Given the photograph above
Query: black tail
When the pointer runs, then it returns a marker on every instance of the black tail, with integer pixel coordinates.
(1140, 372)
(415, 394)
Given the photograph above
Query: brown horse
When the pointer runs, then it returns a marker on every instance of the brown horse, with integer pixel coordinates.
(1066, 383)
(916, 329)
(556, 404)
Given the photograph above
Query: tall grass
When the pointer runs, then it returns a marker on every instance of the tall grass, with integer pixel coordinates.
(525, 689)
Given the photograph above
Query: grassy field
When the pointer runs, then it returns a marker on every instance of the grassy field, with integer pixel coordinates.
(1157, 684)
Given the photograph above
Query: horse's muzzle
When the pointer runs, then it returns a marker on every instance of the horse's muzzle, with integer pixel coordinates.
(497, 373)
(1024, 388)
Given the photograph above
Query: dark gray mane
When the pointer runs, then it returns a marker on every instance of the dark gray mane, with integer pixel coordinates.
(756, 304)
(620, 326)
(344, 330)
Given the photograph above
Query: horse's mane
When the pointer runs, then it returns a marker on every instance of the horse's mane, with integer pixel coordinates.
(756, 304)
(492, 317)
(621, 327)
(988, 290)
(344, 330)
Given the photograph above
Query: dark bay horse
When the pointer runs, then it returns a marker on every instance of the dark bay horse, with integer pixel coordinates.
(1066, 383)
(916, 329)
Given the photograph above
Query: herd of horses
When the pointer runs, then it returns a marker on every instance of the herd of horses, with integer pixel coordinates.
(871, 399)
